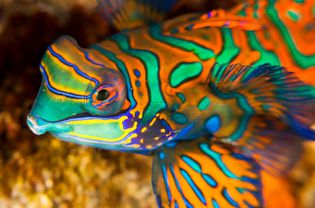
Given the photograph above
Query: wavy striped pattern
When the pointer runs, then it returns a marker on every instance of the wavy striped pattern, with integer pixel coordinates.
(177, 82)
(211, 175)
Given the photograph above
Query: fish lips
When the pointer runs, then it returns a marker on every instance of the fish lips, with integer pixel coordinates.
(39, 126)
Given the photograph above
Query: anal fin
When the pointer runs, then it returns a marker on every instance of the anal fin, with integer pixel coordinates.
(203, 174)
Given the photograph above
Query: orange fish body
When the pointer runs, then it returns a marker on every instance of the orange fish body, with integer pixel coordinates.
(217, 99)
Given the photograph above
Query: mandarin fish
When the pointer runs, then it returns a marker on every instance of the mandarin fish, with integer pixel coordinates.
(216, 99)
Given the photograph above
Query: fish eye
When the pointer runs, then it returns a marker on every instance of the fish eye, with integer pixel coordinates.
(102, 95)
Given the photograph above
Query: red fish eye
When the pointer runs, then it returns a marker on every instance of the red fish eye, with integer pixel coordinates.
(104, 96)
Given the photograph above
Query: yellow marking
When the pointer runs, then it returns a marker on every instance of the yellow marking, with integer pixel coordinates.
(128, 141)
(162, 130)
(141, 141)
(144, 129)
(169, 133)
(152, 121)
(136, 145)
(149, 146)
(156, 138)
(313, 127)
(109, 140)
(99, 121)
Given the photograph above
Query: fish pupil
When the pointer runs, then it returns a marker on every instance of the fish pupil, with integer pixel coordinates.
(102, 95)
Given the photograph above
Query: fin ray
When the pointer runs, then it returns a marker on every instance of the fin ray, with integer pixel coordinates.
(205, 174)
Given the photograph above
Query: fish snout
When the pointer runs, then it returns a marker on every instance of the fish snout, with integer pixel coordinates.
(36, 124)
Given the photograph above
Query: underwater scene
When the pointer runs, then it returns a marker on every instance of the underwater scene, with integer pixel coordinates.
(157, 103)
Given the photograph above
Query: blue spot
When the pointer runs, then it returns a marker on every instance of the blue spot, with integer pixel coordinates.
(162, 155)
(136, 72)
(170, 144)
(193, 186)
(175, 204)
(174, 31)
(189, 27)
(179, 118)
(181, 97)
(138, 84)
(213, 124)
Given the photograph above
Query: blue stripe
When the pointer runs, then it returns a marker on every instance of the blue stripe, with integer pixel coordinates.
(192, 163)
(77, 70)
(193, 186)
(166, 183)
(58, 92)
(210, 180)
(229, 198)
(217, 159)
(179, 188)
(196, 166)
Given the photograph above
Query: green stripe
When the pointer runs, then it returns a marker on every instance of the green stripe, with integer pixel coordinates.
(184, 72)
(200, 51)
(265, 56)
(301, 59)
(230, 50)
(151, 63)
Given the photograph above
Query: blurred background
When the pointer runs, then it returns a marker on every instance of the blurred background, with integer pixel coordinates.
(41, 171)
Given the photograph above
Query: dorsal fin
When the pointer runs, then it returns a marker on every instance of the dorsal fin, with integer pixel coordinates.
(130, 14)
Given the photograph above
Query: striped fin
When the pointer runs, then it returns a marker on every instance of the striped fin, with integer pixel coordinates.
(203, 174)
(268, 90)
(130, 14)
(272, 143)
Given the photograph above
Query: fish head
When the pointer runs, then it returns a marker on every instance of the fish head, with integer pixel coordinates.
(80, 100)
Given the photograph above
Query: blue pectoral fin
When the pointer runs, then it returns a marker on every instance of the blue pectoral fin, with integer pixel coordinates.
(200, 174)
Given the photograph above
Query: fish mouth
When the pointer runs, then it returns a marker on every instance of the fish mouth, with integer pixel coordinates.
(39, 126)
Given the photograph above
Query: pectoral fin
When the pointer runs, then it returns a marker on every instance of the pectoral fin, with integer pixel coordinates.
(267, 90)
(204, 174)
